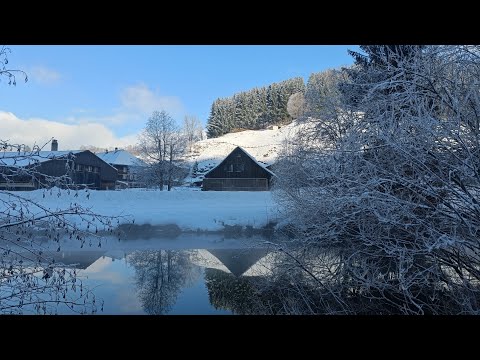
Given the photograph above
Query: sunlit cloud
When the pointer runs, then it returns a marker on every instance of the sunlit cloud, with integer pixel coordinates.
(83, 126)
(137, 102)
(44, 75)
(141, 98)
(70, 136)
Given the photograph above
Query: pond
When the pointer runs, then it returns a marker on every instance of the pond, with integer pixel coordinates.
(161, 276)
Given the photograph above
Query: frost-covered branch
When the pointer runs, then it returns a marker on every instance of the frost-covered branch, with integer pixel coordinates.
(397, 196)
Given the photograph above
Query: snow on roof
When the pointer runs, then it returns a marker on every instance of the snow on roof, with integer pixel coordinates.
(14, 158)
(246, 153)
(120, 157)
(257, 162)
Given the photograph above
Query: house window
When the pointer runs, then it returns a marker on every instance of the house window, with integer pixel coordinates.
(228, 168)
(79, 167)
(89, 168)
(239, 167)
(95, 169)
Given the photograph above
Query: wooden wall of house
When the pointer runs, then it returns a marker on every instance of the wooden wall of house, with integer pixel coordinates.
(103, 179)
(54, 167)
(235, 184)
(108, 173)
(58, 168)
(238, 172)
(250, 170)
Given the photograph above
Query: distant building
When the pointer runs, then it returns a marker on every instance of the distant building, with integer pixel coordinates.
(239, 171)
(129, 167)
(80, 168)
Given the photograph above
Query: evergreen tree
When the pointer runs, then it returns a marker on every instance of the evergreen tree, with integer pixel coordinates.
(379, 63)
(253, 109)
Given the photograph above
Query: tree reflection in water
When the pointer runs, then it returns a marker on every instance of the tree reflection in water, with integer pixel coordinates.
(160, 275)
(287, 289)
(313, 286)
(228, 292)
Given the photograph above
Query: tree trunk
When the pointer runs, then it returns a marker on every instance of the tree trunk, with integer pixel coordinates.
(170, 171)
(170, 168)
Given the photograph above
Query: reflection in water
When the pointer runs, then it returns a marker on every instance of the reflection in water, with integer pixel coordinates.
(286, 288)
(160, 275)
(77, 259)
(238, 261)
(228, 292)
(200, 281)
(226, 280)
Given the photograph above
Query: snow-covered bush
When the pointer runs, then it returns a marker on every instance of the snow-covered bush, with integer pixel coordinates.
(398, 195)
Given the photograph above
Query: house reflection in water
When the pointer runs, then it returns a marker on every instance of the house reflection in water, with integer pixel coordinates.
(238, 262)
(161, 277)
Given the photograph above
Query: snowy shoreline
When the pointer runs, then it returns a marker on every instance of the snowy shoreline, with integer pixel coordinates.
(191, 211)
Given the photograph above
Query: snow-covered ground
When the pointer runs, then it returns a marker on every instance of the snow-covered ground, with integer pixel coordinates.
(188, 207)
(190, 210)
(263, 145)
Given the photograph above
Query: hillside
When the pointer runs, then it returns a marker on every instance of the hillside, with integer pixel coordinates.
(264, 145)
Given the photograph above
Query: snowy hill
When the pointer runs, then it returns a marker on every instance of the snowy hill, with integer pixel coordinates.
(263, 145)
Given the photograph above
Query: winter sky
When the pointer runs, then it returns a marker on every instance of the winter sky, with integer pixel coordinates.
(103, 95)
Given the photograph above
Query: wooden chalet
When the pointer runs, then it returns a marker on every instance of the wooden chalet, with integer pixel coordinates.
(239, 171)
(33, 170)
(129, 167)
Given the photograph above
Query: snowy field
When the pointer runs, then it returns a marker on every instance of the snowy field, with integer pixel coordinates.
(189, 209)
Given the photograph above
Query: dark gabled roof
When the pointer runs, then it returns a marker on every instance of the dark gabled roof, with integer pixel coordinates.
(246, 153)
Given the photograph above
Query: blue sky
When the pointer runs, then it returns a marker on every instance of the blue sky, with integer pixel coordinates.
(103, 95)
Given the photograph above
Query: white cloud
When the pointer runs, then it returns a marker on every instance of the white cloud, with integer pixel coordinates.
(116, 119)
(43, 75)
(137, 102)
(84, 128)
(140, 98)
(70, 136)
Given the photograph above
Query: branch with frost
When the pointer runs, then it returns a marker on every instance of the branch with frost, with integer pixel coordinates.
(396, 198)
(10, 75)
(30, 279)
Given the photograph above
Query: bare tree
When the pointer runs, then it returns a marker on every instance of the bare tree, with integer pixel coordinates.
(160, 276)
(30, 279)
(192, 130)
(396, 197)
(296, 105)
(325, 110)
(161, 143)
(5, 71)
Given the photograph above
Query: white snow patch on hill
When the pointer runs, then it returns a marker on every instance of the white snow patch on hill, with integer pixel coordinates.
(263, 145)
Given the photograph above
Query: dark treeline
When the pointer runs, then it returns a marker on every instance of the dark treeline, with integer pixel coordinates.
(253, 109)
